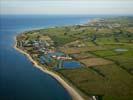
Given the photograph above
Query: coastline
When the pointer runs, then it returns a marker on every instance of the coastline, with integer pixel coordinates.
(74, 94)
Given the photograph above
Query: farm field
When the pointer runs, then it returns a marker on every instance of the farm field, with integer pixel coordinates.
(111, 82)
(98, 56)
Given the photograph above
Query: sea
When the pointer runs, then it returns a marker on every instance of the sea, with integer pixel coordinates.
(19, 79)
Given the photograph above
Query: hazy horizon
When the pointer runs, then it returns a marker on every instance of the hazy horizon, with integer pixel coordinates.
(66, 7)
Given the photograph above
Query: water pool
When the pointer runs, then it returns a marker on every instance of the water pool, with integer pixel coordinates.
(121, 50)
(71, 64)
(56, 54)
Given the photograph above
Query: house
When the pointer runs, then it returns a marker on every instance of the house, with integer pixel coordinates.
(27, 43)
(36, 45)
(47, 40)
(44, 59)
(64, 58)
(116, 25)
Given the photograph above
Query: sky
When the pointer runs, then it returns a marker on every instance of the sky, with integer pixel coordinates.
(71, 7)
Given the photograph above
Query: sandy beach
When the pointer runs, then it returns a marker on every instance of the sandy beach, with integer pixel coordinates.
(74, 94)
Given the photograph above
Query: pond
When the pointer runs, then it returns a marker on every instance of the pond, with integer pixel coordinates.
(121, 50)
(71, 64)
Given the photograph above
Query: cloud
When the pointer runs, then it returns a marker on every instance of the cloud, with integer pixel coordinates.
(66, 7)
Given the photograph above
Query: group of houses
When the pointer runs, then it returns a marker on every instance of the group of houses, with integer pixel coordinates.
(45, 47)
(102, 23)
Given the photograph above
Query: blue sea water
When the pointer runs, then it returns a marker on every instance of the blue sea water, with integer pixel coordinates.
(19, 79)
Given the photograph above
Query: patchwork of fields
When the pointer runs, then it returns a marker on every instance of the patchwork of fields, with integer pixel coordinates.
(108, 74)
(104, 49)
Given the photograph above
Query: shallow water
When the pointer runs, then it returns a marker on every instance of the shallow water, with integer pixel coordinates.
(19, 79)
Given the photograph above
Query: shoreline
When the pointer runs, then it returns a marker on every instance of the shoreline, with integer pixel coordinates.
(72, 92)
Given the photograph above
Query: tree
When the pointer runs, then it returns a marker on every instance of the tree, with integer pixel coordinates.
(65, 33)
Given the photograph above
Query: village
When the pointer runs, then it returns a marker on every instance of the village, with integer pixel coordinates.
(45, 51)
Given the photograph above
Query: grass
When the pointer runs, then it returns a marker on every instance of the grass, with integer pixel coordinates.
(116, 84)
(82, 55)
(61, 40)
(95, 61)
(112, 81)
(105, 53)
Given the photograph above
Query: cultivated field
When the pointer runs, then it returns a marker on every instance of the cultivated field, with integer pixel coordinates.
(105, 48)
(95, 62)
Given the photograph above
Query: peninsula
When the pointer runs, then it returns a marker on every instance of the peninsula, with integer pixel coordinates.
(92, 61)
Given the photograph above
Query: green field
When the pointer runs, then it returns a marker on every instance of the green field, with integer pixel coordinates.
(115, 85)
(99, 44)
(113, 82)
